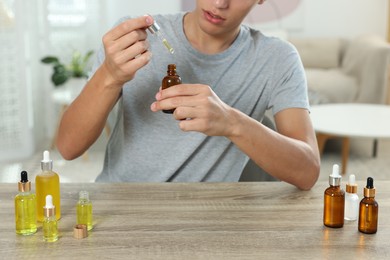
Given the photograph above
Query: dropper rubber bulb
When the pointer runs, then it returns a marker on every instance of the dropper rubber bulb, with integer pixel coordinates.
(370, 183)
(335, 171)
(351, 179)
(49, 208)
(46, 163)
(335, 177)
(49, 202)
(23, 177)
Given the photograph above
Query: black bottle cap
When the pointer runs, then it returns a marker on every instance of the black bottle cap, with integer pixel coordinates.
(23, 177)
(370, 183)
(24, 185)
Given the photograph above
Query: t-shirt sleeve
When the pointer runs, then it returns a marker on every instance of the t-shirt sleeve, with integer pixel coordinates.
(290, 85)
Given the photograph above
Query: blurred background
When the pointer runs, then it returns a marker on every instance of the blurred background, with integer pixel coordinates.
(30, 103)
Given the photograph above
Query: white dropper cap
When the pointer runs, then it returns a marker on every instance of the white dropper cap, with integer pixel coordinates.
(49, 209)
(335, 178)
(351, 179)
(46, 163)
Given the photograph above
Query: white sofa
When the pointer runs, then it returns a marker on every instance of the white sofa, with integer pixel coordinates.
(338, 71)
(344, 71)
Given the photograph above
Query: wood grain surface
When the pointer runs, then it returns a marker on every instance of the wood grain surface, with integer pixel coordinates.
(198, 221)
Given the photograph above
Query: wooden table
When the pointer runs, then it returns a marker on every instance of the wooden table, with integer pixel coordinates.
(346, 120)
(199, 221)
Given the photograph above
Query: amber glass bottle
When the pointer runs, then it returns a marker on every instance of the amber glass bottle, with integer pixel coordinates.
(368, 209)
(334, 199)
(170, 80)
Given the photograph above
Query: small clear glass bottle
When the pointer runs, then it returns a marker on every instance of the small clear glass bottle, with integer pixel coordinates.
(334, 199)
(171, 79)
(84, 210)
(351, 200)
(50, 227)
(368, 209)
(25, 207)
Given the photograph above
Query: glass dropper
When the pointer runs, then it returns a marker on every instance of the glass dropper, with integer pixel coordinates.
(155, 29)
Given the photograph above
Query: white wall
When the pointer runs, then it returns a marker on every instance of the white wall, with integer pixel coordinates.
(119, 8)
(346, 18)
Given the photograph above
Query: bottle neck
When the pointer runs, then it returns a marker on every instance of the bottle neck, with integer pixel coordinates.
(351, 188)
(171, 73)
(334, 181)
(24, 187)
(369, 193)
(47, 166)
(49, 212)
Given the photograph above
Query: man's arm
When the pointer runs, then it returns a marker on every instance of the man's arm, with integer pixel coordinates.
(290, 154)
(126, 51)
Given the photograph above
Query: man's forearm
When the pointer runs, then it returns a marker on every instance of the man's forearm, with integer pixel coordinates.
(84, 120)
(288, 159)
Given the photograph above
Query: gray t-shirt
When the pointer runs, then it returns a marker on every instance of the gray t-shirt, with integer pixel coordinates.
(254, 74)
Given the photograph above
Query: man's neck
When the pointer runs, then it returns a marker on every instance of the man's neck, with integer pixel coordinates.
(203, 42)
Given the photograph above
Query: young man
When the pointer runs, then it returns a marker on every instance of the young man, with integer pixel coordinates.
(231, 74)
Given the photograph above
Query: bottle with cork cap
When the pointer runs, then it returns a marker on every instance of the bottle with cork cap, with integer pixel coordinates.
(84, 210)
(351, 200)
(368, 209)
(334, 199)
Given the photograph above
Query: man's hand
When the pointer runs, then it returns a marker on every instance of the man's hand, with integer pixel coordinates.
(197, 107)
(126, 49)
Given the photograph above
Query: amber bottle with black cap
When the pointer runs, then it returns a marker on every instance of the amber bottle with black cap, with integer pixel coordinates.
(368, 209)
(171, 79)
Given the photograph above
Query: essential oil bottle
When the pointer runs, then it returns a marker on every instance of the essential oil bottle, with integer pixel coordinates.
(368, 209)
(171, 79)
(47, 182)
(334, 198)
(84, 210)
(50, 228)
(25, 207)
(351, 200)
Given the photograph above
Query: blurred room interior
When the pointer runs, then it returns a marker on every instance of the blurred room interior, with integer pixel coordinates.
(31, 105)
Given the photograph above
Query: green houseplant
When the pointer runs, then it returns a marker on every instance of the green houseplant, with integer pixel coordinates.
(62, 72)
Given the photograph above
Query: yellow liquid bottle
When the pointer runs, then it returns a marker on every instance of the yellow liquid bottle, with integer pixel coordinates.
(50, 228)
(47, 182)
(25, 208)
(84, 210)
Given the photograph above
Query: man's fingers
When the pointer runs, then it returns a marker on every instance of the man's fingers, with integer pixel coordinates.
(128, 26)
(181, 90)
(129, 39)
